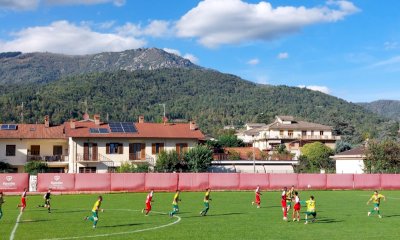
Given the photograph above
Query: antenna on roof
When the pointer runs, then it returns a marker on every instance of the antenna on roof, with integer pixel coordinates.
(163, 104)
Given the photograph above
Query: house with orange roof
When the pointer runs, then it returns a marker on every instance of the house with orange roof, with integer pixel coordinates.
(90, 145)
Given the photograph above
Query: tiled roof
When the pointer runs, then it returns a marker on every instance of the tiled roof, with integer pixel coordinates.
(256, 125)
(34, 131)
(286, 118)
(355, 151)
(299, 125)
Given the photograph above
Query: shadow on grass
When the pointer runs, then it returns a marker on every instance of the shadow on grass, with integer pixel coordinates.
(390, 216)
(33, 221)
(122, 225)
(327, 220)
(214, 215)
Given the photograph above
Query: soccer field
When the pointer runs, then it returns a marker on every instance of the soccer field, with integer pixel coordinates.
(341, 215)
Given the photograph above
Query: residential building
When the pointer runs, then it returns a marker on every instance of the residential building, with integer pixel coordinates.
(351, 161)
(292, 133)
(90, 145)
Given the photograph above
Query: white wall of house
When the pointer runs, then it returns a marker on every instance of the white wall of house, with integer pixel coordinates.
(350, 166)
(250, 169)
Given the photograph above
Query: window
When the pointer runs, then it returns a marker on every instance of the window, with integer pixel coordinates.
(57, 150)
(35, 150)
(56, 170)
(114, 148)
(10, 150)
(312, 132)
(87, 170)
(280, 132)
(137, 151)
(156, 148)
(321, 133)
(181, 148)
(290, 133)
(303, 133)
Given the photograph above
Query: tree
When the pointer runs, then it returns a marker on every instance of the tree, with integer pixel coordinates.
(127, 167)
(199, 158)
(230, 140)
(382, 157)
(35, 167)
(170, 162)
(342, 146)
(317, 154)
(5, 167)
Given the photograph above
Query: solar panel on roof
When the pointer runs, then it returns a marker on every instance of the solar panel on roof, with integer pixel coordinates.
(122, 127)
(98, 130)
(103, 130)
(9, 127)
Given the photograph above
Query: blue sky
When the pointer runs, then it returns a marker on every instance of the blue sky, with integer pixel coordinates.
(349, 49)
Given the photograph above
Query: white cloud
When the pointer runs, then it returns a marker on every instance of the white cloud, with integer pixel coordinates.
(67, 38)
(191, 58)
(156, 28)
(188, 56)
(217, 22)
(23, 5)
(19, 4)
(262, 79)
(390, 45)
(253, 61)
(322, 89)
(283, 55)
(390, 61)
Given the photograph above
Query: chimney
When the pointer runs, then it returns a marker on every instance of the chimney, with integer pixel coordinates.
(46, 121)
(141, 119)
(96, 119)
(72, 123)
(193, 125)
(86, 116)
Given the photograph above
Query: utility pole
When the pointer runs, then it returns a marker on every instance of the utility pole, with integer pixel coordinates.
(163, 104)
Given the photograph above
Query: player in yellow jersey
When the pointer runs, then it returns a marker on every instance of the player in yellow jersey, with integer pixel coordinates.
(376, 200)
(95, 212)
(175, 207)
(311, 209)
(1, 203)
(290, 199)
(206, 200)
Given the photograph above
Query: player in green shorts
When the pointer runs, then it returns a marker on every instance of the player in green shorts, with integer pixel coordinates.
(376, 199)
(95, 212)
(175, 207)
(206, 200)
(289, 198)
(1, 203)
(311, 209)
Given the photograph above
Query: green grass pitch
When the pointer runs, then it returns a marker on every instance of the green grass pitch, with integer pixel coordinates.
(341, 215)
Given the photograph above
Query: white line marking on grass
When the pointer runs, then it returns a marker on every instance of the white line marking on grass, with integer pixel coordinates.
(122, 233)
(15, 227)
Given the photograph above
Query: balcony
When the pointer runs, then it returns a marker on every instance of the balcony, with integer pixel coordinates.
(298, 137)
(47, 158)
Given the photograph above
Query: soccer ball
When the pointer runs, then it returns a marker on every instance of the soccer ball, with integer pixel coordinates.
(308, 186)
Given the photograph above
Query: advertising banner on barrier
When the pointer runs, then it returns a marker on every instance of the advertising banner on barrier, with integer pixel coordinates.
(390, 181)
(98, 182)
(279, 181)
(131, 182)
(193, 181)
(250, 181)
(367, 181)
(59, 182)
(13, 182)
(339, 181)
(224, 181)
(161, 181)
(311, 181)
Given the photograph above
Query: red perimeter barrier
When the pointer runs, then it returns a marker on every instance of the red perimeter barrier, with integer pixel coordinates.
(278, 181)
(56, 181)
(312, 181)
(224, 181)
(390, 181)
(14, 182)
(339, 181)
(193, 181)
(99, 182)
(132, 182)
(250, 181)
(367, 181)
(161, 181)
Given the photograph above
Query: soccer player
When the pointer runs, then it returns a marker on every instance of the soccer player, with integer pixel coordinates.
(206, 201)
(290, 198)
(46, 198)
(258, 197)
(283, 203)
(95, 211)
(311, 209)
(149, 199)
(22, 205)
(175, 207)
(376, 199)
(296, 207)
(1, 203)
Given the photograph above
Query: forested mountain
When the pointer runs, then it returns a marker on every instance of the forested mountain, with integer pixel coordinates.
(16, 67)
(211, 98)
(386, 108)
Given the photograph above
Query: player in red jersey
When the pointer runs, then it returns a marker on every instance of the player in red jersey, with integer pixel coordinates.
(296, 208)
(22, 205)
(149, 199)
(258, 197)
(283, 203)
